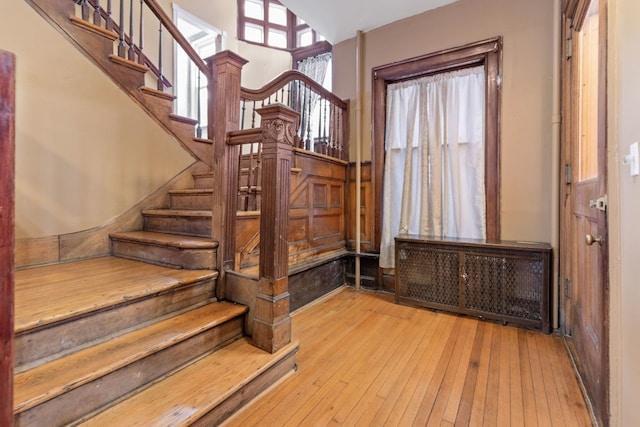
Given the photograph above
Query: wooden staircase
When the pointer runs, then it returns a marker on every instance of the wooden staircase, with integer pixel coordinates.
(97, 43)
(114, 337)
(137, 338)
(177, 237)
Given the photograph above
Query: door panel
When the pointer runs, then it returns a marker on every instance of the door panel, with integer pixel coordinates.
(584, 227)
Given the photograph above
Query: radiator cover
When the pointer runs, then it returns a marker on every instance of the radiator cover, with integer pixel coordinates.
(499, 280)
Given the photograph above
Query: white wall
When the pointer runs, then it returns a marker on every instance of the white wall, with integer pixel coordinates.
(85, 152)
(624, 213)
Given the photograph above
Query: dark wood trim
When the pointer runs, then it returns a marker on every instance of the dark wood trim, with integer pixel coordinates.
(7, 154)
(310, 51)
(487, 53)
(291, 28)
(286, 77)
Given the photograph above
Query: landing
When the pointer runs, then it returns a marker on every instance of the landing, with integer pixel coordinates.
(49, 294)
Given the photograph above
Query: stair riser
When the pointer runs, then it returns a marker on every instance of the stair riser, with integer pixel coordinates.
(192, 226)
(190, 259)
(54, 340)
(111, 388)
(203, 181)
(192, 201)
(252, 389)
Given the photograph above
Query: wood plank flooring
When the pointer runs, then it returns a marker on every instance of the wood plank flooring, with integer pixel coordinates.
(364, 360)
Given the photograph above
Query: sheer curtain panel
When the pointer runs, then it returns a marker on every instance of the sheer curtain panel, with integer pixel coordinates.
(434, 163)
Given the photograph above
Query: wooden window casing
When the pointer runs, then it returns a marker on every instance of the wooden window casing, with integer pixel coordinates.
(487, 53)
(291, 29)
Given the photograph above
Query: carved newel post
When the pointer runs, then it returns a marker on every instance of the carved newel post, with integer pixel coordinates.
(272, 327)
(224, 116)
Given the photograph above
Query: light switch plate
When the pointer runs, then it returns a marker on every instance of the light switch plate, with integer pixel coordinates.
(632, 160)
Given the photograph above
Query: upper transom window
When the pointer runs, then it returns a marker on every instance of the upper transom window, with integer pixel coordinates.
(269, 23)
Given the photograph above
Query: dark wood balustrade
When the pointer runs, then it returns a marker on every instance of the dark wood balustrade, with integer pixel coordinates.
(235, 149)
(126, 19)
(323, 117)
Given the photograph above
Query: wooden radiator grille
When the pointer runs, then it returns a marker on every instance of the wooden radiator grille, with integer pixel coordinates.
(506, 281)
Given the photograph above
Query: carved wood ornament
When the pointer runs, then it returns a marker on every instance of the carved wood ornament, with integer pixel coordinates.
(278, 130)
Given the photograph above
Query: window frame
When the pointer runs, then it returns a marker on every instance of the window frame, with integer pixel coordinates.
(487, 53)
(291, 29)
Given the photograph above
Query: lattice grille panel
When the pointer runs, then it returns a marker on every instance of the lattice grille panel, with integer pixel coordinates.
(428, 275)
(504, 283)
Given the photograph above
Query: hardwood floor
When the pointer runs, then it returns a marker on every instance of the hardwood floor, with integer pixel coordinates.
(364, 360)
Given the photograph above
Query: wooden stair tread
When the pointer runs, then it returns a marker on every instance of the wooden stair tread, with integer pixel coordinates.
(183, 119)
(203, 175)
(47, 381)
(193, 191)
(177, 212)
(185, 396)
(166, 239)
(76, 288)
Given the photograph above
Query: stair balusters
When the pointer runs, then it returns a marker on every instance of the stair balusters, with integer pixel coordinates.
(122, 47)
(132, 55)
(160, 82)
(97, 18)
(141, 35)
(109, 19)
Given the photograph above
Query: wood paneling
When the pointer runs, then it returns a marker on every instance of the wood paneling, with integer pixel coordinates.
(7, 156)
(317, 211)
(367, 210)
(366, 361)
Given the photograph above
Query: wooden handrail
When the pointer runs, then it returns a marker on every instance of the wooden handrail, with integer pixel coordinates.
(284, 78)
(162, 16)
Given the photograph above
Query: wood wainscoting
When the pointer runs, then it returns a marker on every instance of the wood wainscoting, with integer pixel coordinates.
(317, 215)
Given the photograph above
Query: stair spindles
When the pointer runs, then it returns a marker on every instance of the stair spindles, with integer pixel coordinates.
(122, 48)
(243, 109)
(141, 36)
(85, 10)
(132, 54)
(253, 115)
(109, 24)
(97, 19)
(199, 127)
(160, 77)
(307, 99)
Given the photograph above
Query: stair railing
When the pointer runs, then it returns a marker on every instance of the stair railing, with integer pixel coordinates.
(138, 41)
(323, 124)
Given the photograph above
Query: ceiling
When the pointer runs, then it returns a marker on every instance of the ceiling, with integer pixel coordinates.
(339, 20)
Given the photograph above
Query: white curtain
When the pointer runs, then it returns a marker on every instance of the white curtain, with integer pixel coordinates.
(315, 67)
(434, 163)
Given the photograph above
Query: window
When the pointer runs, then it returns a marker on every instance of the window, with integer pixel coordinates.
(190, 84)
(269, 23)
(487, 56)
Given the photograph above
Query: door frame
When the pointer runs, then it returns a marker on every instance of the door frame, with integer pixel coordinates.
(573, 16)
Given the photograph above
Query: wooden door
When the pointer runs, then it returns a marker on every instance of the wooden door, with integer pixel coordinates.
(584, 233)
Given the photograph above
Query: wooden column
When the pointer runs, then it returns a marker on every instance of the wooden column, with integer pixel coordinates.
(224, 116)
(272, 327)
(7, 143)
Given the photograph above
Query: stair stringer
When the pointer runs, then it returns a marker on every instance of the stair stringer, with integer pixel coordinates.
(97, 44)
